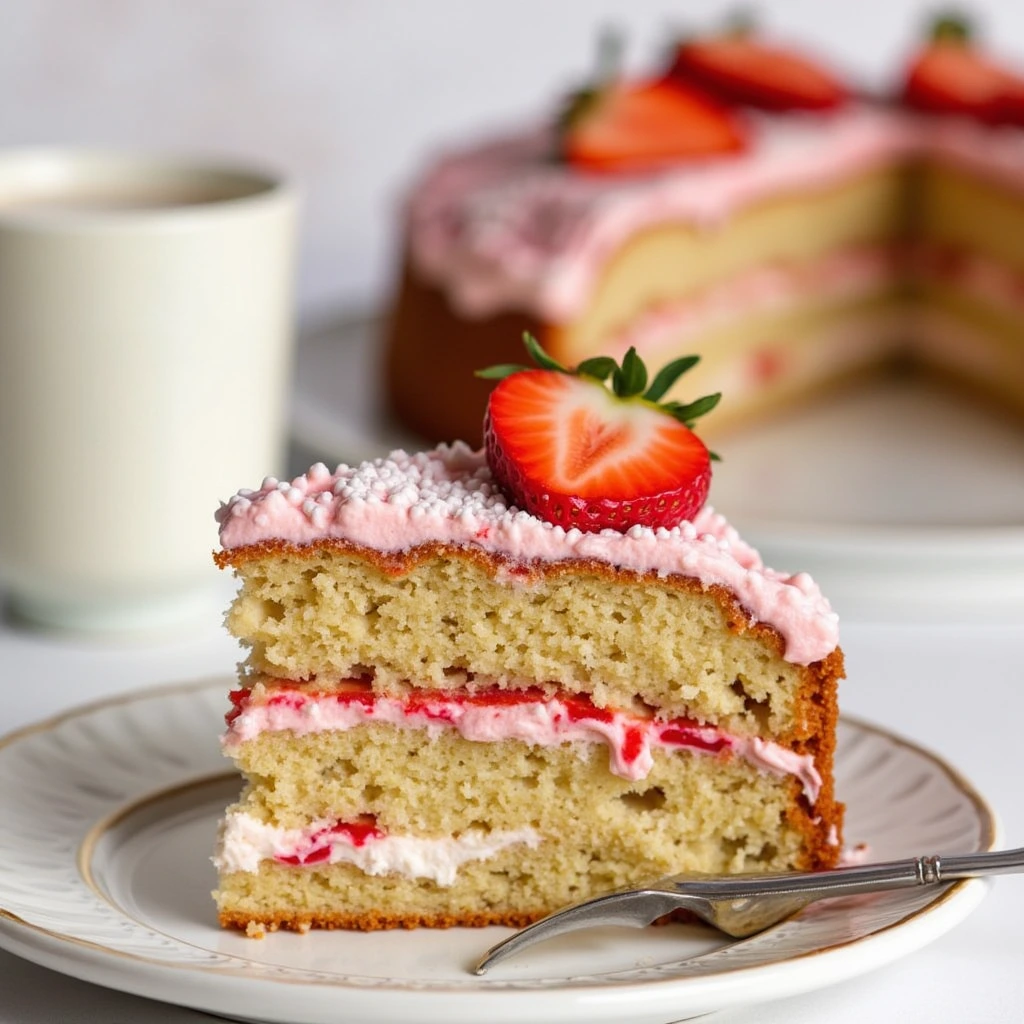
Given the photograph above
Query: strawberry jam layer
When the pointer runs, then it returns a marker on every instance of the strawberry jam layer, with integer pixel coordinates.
(528, 716)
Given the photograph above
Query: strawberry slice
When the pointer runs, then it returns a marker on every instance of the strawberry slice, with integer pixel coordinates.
(573, 452)
(950, 76)
(737, 67)
(630, 126)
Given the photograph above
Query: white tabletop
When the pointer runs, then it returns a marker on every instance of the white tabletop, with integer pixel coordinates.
(956, 689)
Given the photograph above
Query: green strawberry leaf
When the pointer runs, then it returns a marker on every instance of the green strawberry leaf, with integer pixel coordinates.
(539, 356)
(687, 414)
(600, 367)
(631, 379)
(668, 375)
(500, 371)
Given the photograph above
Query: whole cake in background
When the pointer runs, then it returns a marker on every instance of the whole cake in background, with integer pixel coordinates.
(482, 685)
(744, 203)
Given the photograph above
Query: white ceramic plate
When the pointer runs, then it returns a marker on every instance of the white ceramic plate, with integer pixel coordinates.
(903, 502)
(109, 815)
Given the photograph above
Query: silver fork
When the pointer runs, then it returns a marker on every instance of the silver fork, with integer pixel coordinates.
(742, 905)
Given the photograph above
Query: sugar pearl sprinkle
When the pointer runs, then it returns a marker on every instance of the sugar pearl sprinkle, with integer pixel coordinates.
(447, 495)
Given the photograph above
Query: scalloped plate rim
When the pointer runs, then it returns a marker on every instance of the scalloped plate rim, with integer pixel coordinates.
(228, 992)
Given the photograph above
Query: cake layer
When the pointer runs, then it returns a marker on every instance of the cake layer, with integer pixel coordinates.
(514, 888)
(453, 785)
(439, 616)
(490, 832)
(431, 355)
(631, 738)
(959, 209)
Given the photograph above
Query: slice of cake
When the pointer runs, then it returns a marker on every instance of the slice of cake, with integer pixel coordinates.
(807, 235)
(456, 712)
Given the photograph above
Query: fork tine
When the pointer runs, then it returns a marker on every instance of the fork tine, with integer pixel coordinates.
(634, 908)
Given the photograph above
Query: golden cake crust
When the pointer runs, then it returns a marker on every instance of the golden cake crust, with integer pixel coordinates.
(303, 922)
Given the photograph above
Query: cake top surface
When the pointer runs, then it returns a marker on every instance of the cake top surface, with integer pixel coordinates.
(500, 225)
(448, 496)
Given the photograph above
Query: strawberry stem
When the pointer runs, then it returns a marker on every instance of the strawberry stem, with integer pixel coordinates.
(951, 27)
(740, 24)
(610, 47)
(608, 68)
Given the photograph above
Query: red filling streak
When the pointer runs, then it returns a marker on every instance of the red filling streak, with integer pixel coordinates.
(355, 833)
(438, 705)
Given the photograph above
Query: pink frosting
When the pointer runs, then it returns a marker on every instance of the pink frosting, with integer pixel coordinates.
(447, 495)
(502, 226)
(538, 720)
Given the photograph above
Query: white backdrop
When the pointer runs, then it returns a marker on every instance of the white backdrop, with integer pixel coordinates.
(349, 96)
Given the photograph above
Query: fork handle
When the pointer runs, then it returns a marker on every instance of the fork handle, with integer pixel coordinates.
(897, 874)
(970, 865)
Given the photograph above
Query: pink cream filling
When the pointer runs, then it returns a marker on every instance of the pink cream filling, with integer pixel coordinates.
(447, 496)
(526, 716)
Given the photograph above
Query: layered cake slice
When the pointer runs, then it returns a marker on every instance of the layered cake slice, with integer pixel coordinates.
(484, 684)
(795, 235)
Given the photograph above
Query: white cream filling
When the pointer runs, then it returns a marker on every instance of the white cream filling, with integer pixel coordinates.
(245, 841)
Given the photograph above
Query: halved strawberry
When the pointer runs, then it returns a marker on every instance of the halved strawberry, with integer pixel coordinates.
(738, 67)
(568, 449)
(638, 125)
(950, 76)
(621, 125)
